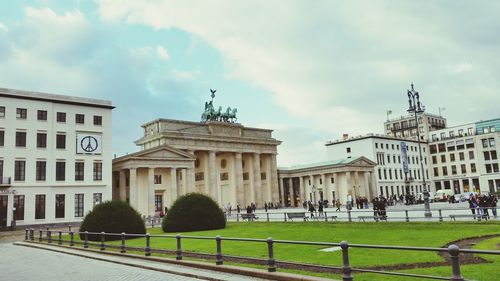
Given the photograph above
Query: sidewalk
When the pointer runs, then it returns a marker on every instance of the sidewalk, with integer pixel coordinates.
(193, 269)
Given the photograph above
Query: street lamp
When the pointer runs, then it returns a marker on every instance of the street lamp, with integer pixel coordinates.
(417, 108)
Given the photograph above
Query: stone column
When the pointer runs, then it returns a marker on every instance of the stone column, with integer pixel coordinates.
(173, 185)
(274, 179)
(238, 171)
(133, 188)
(366, 185)
(290, 191)
(313, 196)
(122, 186)
(212, 168)
(257, 180)
(283, 198)
(151, 191)
(190, 182)
(183, 190)
(324, 187)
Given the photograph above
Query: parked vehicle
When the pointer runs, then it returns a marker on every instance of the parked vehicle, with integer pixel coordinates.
(443, 194)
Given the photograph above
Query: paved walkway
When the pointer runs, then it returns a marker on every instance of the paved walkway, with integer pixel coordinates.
(26, 263)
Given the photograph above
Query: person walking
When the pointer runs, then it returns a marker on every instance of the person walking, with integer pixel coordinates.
(311, 209)
(320, 210)
(337, 204)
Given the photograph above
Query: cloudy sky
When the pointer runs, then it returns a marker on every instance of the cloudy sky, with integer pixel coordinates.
(310, 70)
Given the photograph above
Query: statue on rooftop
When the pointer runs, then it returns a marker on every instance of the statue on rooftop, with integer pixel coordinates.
(210, 114)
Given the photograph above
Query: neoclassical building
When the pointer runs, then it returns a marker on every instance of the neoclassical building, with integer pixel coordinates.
(231, 163)
(331, 180)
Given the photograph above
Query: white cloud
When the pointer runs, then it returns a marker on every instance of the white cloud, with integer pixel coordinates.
(3, 27)
(162, 53)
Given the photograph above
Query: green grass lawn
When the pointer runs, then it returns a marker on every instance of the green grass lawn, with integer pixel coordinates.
(402, 234)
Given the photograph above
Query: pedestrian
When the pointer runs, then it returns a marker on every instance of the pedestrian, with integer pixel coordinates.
(493, 204)
(375, 203)
(320, 210)
(265, 206)
(472, 204)
(337, 204)
(238, 208)
(311, 209)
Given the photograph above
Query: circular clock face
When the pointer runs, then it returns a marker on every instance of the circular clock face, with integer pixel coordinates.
(89, 144)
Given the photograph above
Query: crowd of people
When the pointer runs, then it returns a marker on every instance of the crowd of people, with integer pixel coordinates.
(482, 204)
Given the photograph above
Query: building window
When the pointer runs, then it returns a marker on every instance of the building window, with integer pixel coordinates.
(463, 169)
(60, 198)
(41, 140)
(472, 167)
(223, 163)
(453, 169)
(471, 155)
(19, 170)
(262, 176)
(443, 158)
(201, 176)
(158, 203)
(452, 157)
(432, 148)
(348, 149)
(60, 141)
(97, 198)
(60, 171)
(97, 120)
(40, 206)
(332, 180)
(2, 138)
(79, 171)
(61, 117)
(21, 113)
(224, 176)
(320, 181)
(436, 172)
(40, 170)
(157, 179)
(492, 142)
(41, 115)
(376, 145)
(97, 171)
(445, 171)
(485, 143)
(486, 155)
(19, 205)
(80, 119)
(2, 111)
(78, 205)
(434, 160)
(461, 155)
(20, 139)
(493, 155)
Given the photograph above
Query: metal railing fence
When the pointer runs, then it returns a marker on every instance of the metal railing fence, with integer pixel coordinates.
(346, 269)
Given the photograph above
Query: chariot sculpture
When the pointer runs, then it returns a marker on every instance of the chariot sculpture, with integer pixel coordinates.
(210, 114)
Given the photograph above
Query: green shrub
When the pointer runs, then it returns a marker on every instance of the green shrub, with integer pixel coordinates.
(113, 217)
(193, 211)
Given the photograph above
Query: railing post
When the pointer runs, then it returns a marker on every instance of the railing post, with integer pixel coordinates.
(103, 247)
(71, 238)
(178, 252)
(326, 216)
(26, 236)
(147, 251)
(271, 265)
(218, 256)
(349, 215)
(41, 233)
(69, 227)
(407, 217)
(455, 263)
(86, 241)
(32, 234)
(49, 236)
(237, 217)
(284, 215)
(60, 238)
(267, 214)
(122, 246)
(152, 223)
(346, 268)
(440, 215)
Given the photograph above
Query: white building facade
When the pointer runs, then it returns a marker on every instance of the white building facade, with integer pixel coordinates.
(406, 126)
(397, 170)
(55, 157)
(465, 158)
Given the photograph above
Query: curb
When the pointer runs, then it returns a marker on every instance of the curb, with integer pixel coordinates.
(251, 272)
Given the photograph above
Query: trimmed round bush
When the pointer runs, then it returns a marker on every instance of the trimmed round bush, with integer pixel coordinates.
(112, 217)
(193, 211)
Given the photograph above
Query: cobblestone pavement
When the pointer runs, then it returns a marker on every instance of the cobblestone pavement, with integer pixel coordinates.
(24, 263)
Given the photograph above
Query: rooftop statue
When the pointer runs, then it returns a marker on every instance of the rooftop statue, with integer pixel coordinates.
(210, 114)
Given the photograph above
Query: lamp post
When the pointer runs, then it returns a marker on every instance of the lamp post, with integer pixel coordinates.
(417, 108)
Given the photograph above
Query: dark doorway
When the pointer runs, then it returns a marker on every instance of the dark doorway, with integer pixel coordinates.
(3, 210)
